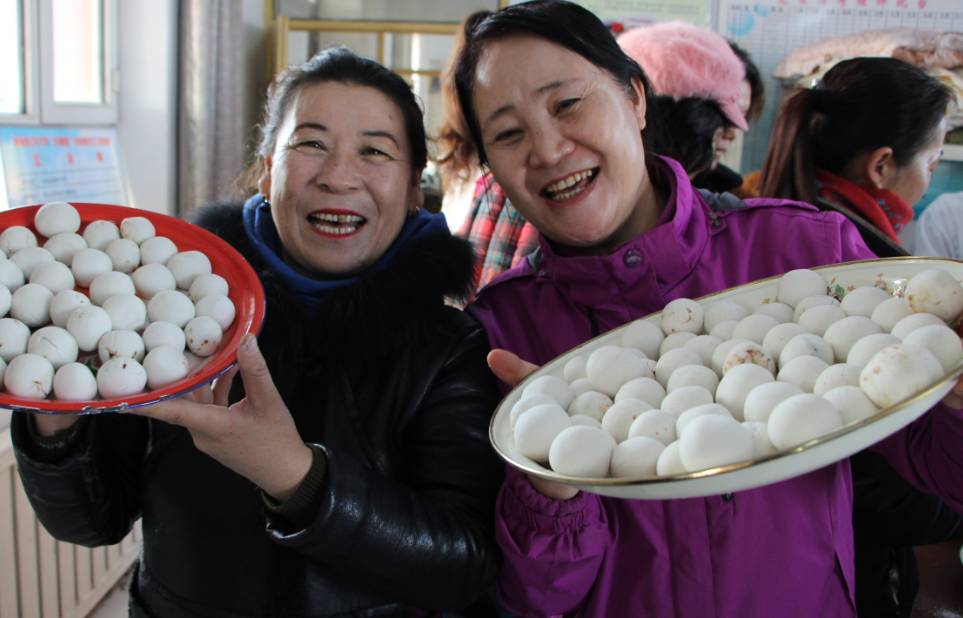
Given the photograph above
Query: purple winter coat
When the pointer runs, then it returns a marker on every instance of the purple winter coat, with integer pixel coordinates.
(782, 550)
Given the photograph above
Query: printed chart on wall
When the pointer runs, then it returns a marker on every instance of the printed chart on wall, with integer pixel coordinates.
(770, 29)
(632, 13)
(40, 165)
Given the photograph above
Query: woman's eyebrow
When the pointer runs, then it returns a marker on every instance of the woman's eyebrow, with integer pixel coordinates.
(552, 85)
(385, 134)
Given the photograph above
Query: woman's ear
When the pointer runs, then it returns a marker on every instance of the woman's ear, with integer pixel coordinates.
(879, 167)
(264, 180)
(638, 103)
(416, 197)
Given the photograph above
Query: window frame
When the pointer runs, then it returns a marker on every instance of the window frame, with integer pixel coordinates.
(40, 108)
(55, 113)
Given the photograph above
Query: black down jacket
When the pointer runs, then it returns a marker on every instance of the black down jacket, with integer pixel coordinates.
(391, 383)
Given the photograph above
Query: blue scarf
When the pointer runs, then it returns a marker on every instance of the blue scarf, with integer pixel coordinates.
(311, 292)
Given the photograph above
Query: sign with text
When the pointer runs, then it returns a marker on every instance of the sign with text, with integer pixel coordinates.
(46, 164)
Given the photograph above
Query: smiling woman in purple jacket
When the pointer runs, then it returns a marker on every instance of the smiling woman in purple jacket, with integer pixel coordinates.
(623, 233)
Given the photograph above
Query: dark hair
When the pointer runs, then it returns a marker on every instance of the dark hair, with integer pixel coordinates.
(687, 130)
(337, 64)
(757, 90)
(564, 23)
(457, 154)
(860, 105)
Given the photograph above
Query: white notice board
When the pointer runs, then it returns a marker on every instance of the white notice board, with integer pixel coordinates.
(770, 29)
(45, 164)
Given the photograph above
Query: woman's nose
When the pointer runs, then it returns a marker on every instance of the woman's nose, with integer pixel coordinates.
(549, 146)
(338, 173)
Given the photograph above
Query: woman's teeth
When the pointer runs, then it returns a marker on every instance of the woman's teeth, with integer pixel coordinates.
(336, 224)
(570, 185)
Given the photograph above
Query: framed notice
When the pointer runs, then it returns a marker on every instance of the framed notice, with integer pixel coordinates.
(46, 164)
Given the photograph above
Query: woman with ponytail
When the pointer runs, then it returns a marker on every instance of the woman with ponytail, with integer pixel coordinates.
(864, 143)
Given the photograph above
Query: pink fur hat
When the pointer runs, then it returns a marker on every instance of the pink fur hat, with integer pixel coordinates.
(682, 60)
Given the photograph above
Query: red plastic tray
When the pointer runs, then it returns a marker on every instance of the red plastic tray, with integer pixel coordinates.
(245, 292)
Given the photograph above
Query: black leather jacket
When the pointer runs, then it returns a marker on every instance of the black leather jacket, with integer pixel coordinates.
(391, 384)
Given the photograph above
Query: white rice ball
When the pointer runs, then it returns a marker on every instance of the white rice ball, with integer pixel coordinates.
(29, 376)
(55, 344)
(636, 458)
(796, 285)
(110, 284)
(56, 218)
(187, 265)
(845, 333)
(748, 352)
(643, 335)
(754, 327)
(521, 406)
(54, 276)
(802, 418)
(15, 238)
(150, 279)
(851, 402)
(646, 389)
(937, 292)
(124, 343)
(669, 463)
(781, 312)
(803, 371)
(914, 321)
(74, 382)
(898, 372)
(609, 367)
(164, 366)
(763, 399)
(867, 347)
(31, 305)
(170, 306)
(736, 385)
(863, 300)
(88, 264)
(889, 312)
(777, 338)
(137, 229)
(761, 444)
(940, 341)
(29, 258)
(682, 315)
(693, 375)
(63, 304)
(682, 423)
(126, 312)
(157, 250)
(673, 360)
(120, 377)
(592, 404)
(88, 323)
(655, 424)
(834, 376)
(581, 451)
(537, 428)
(219, 307)
(124, 254)
(723, 311)
(724, 330)
(98, 234)
(703, 346)
(714, 440)
(64, 246)
(818, 319)
(685, 398)
(11, 277)
(721, 352)
(806, 344)
(618, 418)
(204, 335)
(674, 341)
(554, 387)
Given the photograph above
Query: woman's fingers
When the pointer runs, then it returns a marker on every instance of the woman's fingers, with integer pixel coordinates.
(222, 387)
(508, 367)
(259, 389)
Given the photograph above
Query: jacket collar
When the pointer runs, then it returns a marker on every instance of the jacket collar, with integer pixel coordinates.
(670, 250)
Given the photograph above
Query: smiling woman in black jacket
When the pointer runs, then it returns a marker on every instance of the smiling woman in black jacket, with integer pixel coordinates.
(347, 471)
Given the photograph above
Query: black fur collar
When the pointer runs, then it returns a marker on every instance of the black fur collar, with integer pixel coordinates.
(386, 309)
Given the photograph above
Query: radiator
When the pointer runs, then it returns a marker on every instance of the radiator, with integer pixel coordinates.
(41, 577)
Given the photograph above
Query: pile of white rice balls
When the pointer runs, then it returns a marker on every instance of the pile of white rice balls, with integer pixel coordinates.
(105, 312)
(722, 383)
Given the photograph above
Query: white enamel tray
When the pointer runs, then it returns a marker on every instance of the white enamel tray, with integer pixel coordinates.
(891, 274)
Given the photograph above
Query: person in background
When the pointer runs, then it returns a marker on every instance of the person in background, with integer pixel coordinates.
(939, 230)
(752, 98)
(499, 235)
(864, 143)
(348, 471)
(623, 232)
(698, 80)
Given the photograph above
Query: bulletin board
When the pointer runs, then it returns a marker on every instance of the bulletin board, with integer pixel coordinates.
(770, 29)
(47, 164)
